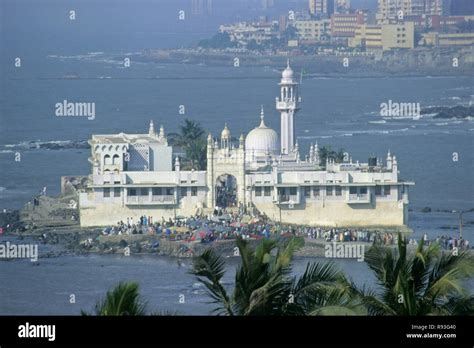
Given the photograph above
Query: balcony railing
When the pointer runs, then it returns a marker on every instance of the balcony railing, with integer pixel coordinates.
(163, 199)
(285, 104)
(359, 198)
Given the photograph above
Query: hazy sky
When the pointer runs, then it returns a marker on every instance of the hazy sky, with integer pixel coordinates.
(43, 26)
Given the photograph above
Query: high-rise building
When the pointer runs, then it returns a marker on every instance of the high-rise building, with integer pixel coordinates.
(344, 25)
(321, 7)
(313, 30)
(384, 37)
(388, 9)
(282, 23)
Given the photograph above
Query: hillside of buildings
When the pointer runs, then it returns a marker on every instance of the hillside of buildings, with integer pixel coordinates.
(336, 37)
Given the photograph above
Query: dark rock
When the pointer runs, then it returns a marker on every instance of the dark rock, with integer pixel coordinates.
(446, 112)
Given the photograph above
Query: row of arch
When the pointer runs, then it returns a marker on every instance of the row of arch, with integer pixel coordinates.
(115, 159)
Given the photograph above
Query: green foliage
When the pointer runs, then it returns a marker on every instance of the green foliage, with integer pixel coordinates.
(290, 33)
(427, 282)
(263, 285)
(218, 41)
(192, 139)
(253, 45)
(424, 282)
(123, 300)
(326, 152)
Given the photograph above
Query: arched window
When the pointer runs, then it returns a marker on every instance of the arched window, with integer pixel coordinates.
(107, 159)
(116, 159)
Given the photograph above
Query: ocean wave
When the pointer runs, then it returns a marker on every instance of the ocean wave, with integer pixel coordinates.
(77, 56)
(373, 131)
(441, 123)
(2, 188)
(49, 145)
(111, 61)
(354, 133)
(309, 137)
(378, 122)
(6, 151)
(460, 88)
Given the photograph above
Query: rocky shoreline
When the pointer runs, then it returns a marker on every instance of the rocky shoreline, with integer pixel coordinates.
(402, 63)
(74, 241)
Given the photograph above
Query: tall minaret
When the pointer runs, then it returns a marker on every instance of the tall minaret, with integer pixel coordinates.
(287, 105)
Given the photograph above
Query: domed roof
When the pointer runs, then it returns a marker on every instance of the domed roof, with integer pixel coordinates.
(261, 140)
(287, 74)
(225, 133)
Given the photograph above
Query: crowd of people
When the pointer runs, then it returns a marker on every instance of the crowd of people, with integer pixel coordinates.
(345, 235)
(222, 225)
(449, 243)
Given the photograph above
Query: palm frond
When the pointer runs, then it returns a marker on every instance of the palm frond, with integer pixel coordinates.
(210, 268)
(123, 300)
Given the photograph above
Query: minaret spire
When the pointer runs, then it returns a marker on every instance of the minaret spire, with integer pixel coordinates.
(262, 117)
(162, 132)
(287, 105)
(151, 130)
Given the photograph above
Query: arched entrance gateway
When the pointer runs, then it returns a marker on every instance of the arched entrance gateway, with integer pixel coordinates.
(226, 191)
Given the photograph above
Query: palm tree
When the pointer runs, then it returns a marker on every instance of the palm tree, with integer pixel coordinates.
(326, 152)
(192, 139)
(123, 300)
(196, 153)
(263, 285)
(427, 282)
(189, 131)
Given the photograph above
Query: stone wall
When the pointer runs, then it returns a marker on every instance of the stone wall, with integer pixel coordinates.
(109, 214)
(338, 214)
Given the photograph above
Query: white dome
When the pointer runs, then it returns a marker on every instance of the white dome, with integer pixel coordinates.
(261, 141)
(287, 74)
(225, 134)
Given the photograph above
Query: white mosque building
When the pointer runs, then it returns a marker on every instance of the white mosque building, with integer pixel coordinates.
(135, 175)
